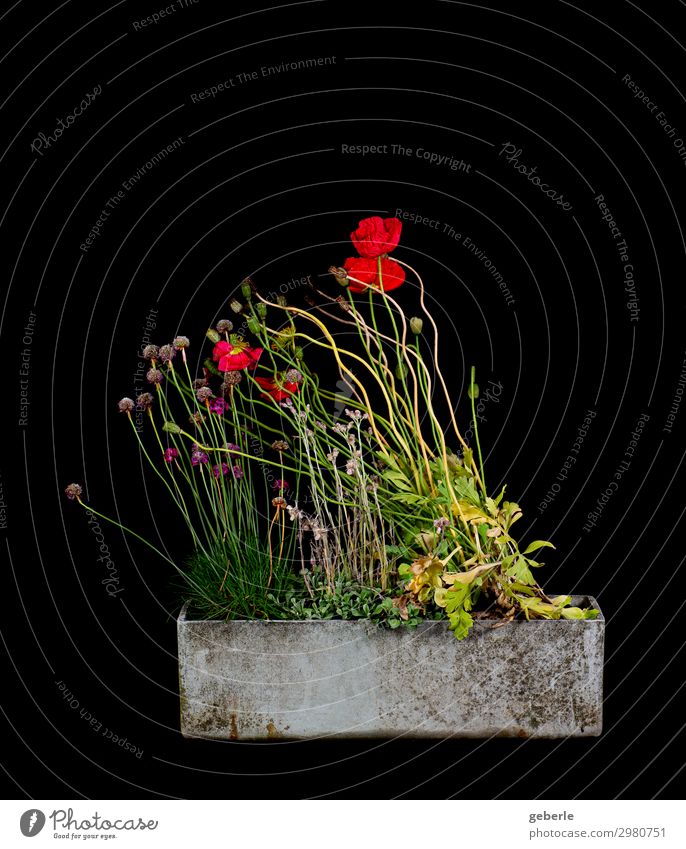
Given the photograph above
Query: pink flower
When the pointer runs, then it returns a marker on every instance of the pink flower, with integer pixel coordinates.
(218, 406)
(170, 455)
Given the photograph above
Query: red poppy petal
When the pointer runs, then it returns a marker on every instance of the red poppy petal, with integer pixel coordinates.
(220, 349)
(392, 275)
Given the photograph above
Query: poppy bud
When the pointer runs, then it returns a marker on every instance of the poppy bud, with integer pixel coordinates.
(401, 371)
(416, 325)
(473, 391)
(212, 335)
(171, 427)
(340, 274)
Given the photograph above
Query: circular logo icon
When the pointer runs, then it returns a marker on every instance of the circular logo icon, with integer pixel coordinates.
(31, 822)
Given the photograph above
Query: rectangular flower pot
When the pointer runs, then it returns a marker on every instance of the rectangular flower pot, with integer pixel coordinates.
(257, 680)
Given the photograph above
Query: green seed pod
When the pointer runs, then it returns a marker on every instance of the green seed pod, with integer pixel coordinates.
(261, 310)
(246, 288)
(171, 427)
(416, 325)
(473, 391)
(253, 325)
(401, 371)
(212, 335)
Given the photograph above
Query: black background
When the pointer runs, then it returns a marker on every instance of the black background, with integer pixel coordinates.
(261, 186)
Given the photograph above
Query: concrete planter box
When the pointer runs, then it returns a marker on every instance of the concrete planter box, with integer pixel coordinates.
(256, 680)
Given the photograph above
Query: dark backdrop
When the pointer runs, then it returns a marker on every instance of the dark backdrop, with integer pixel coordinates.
(565, 311)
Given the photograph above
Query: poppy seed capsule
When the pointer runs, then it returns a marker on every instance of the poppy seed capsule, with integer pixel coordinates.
(73, 491)
(154, 375)
(145, 401)
(203, 394)
(416, 325)
(224, 326)
(126, 405)
(171, 427)
(235, 305)
(166, 353)
(151, 352)
(212, 335)
(181, 342)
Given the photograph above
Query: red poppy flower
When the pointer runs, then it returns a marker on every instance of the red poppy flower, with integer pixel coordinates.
(375, 236)
(277, 390)
(234, 356)
(367, 271)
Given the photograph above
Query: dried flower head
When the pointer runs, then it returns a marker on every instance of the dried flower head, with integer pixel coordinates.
(198, 382)
(238, 472)
(235, 305)
(199, 457)
(224, 326)
(441, 524)
(126, 405)
(218, 406)
(166, 354)
(203, 394)
(220, 469)
(280, 445)
(196, 419)
(232, 378)
(293, 375)
(281, 300)
(247, 287)
(151, 352)
(154, 375)
(73, 492)
(279, 502)
(145, 401)
(181, 342)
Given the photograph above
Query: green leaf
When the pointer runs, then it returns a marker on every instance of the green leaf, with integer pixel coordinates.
(572, 613)
(460, 624)
(539, 543)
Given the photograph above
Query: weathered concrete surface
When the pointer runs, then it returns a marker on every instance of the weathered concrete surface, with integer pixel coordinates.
(291, 680)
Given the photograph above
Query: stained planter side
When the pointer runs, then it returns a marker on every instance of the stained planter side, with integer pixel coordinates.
(254, 680)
